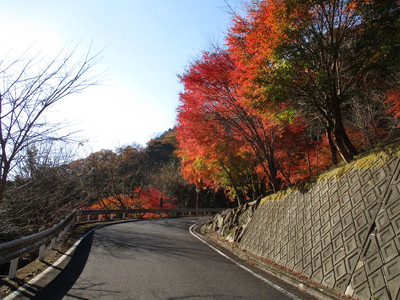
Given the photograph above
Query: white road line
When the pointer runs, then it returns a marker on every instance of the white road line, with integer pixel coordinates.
(35, 279)
(26, 286)
(275, 286)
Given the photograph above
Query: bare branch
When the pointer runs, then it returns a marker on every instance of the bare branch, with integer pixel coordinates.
(28, 88)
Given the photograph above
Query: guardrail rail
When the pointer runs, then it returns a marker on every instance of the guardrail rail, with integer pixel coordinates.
(11, 251)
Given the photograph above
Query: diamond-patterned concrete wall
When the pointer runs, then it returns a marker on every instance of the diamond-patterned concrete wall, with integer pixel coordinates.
(344, 232)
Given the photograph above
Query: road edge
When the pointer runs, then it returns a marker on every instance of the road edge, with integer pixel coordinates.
(25, 287)
(303, 285)
(275, 286)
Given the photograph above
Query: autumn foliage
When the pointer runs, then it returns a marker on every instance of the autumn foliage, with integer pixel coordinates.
(140, 198)
(225, 142)
(393, 100)
(299, 86)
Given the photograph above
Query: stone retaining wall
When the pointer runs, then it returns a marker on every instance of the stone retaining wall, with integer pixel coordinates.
(342, 232)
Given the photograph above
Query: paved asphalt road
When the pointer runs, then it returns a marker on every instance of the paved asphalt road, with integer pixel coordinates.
(153, 259)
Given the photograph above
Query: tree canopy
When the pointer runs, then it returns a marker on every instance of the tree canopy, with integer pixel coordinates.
(290, 93)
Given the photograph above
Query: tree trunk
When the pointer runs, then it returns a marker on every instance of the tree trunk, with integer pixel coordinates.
(332, 146)
(273, 171)
(349, 145)
(345, 147)
(233, 181)
(2, 190)
(197, 198)
(266, 160)
(3, 180)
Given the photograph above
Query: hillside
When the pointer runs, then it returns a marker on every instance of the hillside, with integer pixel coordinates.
(341, 230)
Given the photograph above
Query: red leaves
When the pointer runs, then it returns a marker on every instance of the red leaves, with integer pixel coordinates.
(242, 119)
(140, 198)
(222, 138)
(393, 99)
(252, 41)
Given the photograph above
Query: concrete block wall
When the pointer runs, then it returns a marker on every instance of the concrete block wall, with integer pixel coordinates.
(343, 232)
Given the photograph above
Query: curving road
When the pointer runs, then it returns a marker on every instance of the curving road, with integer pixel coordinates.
(153, 259)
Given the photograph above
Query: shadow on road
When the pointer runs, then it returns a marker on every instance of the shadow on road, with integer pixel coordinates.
(60, 285)
(148, 238)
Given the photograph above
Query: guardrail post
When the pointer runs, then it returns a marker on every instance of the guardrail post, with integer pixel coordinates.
(99, 218)
(65, 230)
(60, 235)
(69, 225)
(13, 268)
(41, 252)
(88, 218)
(57, 232)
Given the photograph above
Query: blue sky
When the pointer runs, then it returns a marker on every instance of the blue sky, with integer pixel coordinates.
(147, 43)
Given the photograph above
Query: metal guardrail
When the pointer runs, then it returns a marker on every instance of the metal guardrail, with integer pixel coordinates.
(11, 251)
(173, 211)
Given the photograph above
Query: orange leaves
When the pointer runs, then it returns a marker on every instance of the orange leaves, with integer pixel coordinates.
(140, 198)
(222, 136)
(246, 112)
(210, 127)
(393, 99)
(252, 41)
(356, 4)
(256, 34)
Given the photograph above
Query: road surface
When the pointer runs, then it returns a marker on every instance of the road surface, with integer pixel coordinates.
(153, 259)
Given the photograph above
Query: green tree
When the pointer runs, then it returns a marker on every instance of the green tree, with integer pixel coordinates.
(316, 56)
(332, 52)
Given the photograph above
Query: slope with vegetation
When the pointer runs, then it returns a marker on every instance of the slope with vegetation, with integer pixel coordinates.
(48, 187)
(339, 233)
(300, 86)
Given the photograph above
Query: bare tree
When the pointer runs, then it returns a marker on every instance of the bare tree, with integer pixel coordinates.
(28, 88)
(169, 180)
(43, 191)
